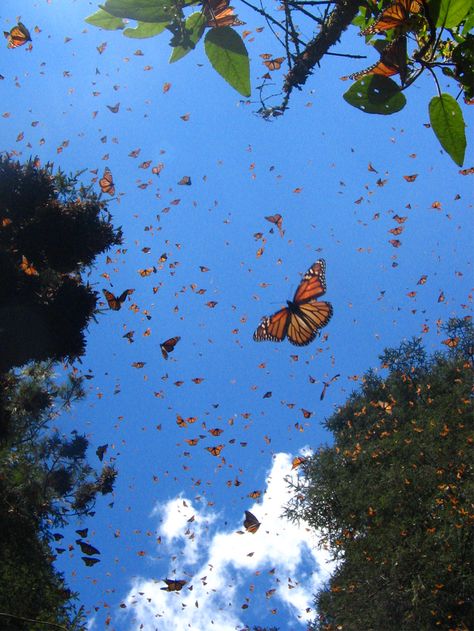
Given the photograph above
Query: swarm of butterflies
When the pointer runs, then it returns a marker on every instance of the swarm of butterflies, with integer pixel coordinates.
(398, 16)
(300, 321)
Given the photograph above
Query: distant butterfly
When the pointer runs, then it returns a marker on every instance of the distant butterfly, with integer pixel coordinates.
(106, 182)
(115, 302)
(304, 316)
(274, 64)
(87, 548)
(82, 532)
(393, 60)
(251, 523)
(27, 267)
(395, 15)
(89, 561)
(18, 36)
(215, 451)
(297, 462)
(173, 585)
(168, 346)
(100, 452)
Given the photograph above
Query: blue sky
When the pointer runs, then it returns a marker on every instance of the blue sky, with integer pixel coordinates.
(242, 169)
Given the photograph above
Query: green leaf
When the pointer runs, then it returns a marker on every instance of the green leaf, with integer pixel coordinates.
(376, 95)
(448, 124)
(226, 51)
(104, 20)
(451, 12)
(142, 10)
(194, 26)
(145, 29)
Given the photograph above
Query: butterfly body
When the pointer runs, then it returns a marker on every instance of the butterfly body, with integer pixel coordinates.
(303, 316)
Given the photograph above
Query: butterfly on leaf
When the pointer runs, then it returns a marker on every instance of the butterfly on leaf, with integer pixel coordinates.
(168, 346)
(251, 523)
(396, 15)
(115, 302)
(173, 585)
(219, 13)
(106, 182)
(393, 61)
(304, 316)
(17, 36)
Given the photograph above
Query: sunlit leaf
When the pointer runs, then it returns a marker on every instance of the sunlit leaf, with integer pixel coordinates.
(105, 20)
(226, 51)
(448, 124)
(141, 10)
(145, 29)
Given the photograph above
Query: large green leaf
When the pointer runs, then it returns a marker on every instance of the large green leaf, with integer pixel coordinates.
(104, 20)
(141, 10)
(448, 124)
(226, 51)
(194, 26)
(376, 95)
(449, 13)
(145, 29)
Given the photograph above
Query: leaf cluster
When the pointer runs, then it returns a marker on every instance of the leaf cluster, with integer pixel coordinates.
(393, 496)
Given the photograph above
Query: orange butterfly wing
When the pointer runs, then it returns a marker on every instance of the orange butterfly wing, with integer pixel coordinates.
(168, 346)
(115, 302)
(106, 182)
(251, 523)
(304, 316)
(395, 15)
(18, 36)
(393, 60)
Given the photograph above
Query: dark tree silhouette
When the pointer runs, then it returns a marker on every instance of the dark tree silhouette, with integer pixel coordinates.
(51, 230)
(393, 496)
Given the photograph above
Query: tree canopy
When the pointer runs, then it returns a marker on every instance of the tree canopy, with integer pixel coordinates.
(51, 230)
(393, 496)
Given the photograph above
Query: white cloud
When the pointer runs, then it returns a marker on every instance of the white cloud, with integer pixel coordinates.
(220, 565)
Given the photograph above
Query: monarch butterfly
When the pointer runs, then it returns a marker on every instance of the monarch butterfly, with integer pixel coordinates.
(215, 451)
(87, 548)
(219, 13)
(274, 64)
(297, 462)
(89, 561)
(173, 585)
(28, 267)
(100, 452)
(106, 182)
(82, 532)
(304, 316)
(115, 302)
(168, 346)
(395, 15)
(251, 523)
(393, 60)
(18, 36)
(451, 342)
